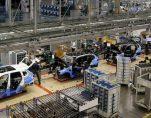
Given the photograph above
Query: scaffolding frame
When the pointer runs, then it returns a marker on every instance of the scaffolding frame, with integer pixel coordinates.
(144, 80)
(141, 68)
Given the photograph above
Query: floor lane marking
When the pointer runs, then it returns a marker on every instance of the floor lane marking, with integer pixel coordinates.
(43, 88)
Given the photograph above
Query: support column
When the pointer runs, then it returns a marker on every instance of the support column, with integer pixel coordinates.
(89, 11)
(60, 10)
(9, 4)
(117, 6)
(31, 10)
(98, 8)
(6, 5)
(128, 7)
(35, 16)
(38, 9)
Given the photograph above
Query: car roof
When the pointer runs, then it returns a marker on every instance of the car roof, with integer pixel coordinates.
(84, 55)
(7, 69)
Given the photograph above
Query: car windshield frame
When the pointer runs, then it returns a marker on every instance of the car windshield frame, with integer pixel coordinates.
(6, 69)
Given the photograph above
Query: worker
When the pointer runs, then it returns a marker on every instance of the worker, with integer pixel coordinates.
(146, 46)
(85, 66)
(147, 60)
(35, 69)
(73, 47)
(74, 65)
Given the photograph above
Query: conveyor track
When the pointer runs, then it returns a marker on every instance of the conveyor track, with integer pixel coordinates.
(54, 35)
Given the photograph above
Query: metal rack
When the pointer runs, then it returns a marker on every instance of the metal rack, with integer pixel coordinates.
(145, 102)
(91, 75)
(68, 103)
(79, 98)
(139, 70)
(109, 97)
(12, 57)
(18, 55)
(123, 72)
(44, 107)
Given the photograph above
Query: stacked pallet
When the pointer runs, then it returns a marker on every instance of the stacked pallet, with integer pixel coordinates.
(91, 75)
(123, 71)
(109, 97)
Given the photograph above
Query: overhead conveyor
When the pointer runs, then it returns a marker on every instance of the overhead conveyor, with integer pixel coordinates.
(67, 33)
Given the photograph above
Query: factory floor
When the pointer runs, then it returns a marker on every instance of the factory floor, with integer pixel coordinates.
(49, 85)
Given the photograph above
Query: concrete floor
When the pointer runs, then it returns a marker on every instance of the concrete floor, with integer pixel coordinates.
(49, 85)
(128, 109)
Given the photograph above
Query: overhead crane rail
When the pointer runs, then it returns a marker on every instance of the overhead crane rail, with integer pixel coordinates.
(54, 34)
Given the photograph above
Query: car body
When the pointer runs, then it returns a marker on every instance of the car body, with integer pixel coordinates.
(92, 59)
(128, 50)
(69, 72)
(72, 72)
(14, 78)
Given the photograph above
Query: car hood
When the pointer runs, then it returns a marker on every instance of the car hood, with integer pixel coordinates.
(65, 70)
(21, 66)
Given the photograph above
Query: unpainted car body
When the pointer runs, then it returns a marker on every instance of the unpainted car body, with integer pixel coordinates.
(14, 78)
(81, 62)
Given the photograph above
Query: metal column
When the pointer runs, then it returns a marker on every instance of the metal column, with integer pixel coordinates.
(31, 10)
(60, 10)
(98, 8)
(117, 6)
(129, 2)
(9, 4)
(6, 5)
(90, 10)
(38, 9)
(35, 16)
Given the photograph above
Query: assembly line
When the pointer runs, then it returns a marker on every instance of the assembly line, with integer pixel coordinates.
(75, 59)
(66, 67)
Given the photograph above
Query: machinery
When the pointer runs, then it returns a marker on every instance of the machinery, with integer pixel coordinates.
(57, 63)
(128, 48)
(51, 60)
(80, 62)
(12, 57)
(14, 78)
